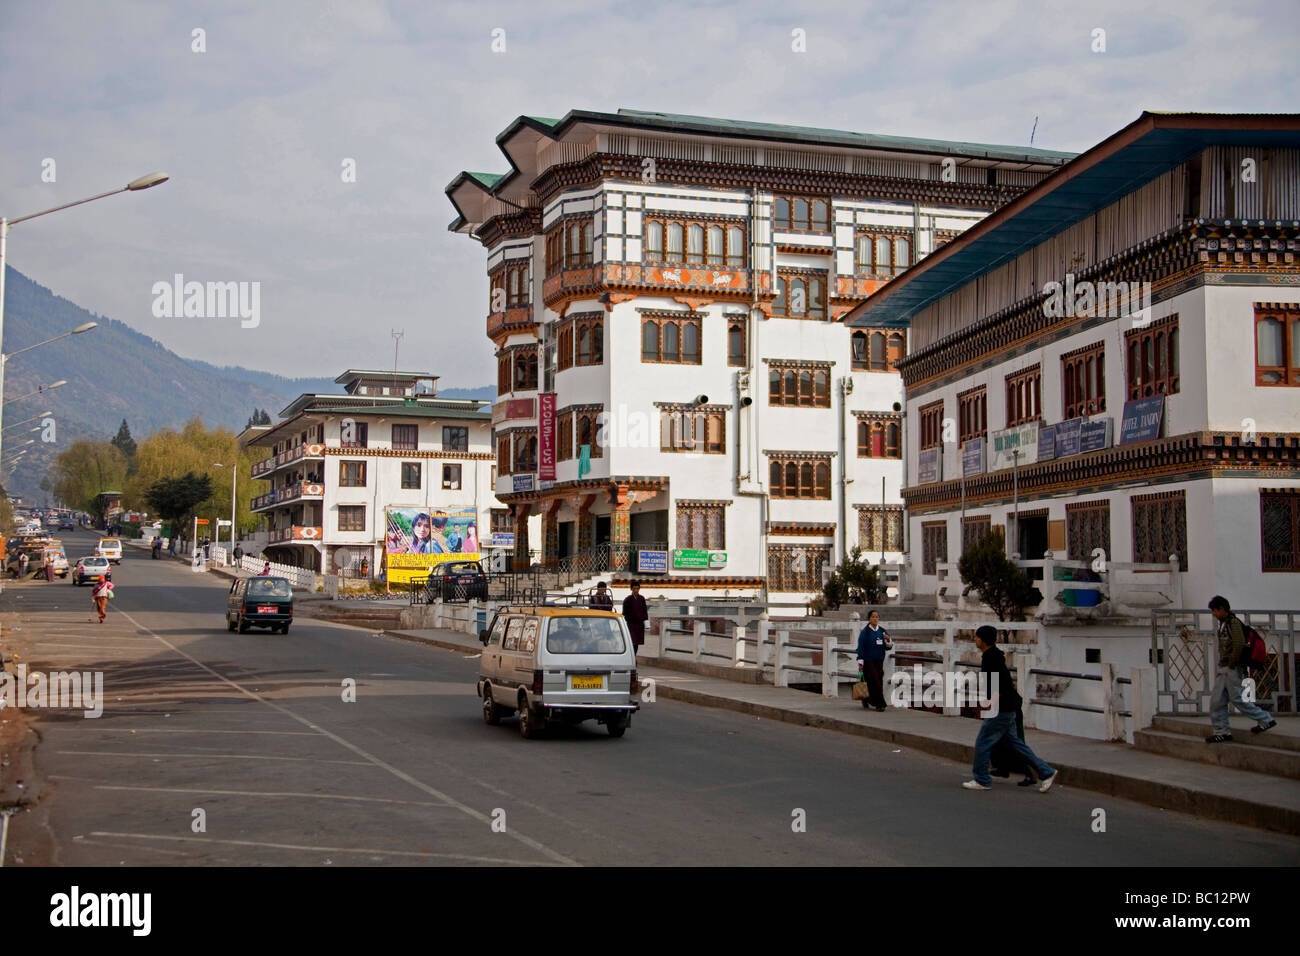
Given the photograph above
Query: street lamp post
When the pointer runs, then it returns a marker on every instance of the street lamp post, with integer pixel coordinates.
(41, 388)
(135, 185)
(234, 478)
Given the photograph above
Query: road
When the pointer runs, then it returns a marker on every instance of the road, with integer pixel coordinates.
(253, 730)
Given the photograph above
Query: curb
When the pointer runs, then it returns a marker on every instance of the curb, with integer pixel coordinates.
(1164, 796)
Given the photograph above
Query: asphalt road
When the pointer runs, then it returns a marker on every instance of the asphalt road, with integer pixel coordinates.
(253, 730)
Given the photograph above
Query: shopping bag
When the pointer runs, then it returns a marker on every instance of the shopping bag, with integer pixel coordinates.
(861, 691)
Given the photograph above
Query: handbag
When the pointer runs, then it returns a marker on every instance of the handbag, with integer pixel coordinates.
(861, 691)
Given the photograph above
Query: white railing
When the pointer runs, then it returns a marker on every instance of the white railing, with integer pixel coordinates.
(302, 578)
(1118, 584)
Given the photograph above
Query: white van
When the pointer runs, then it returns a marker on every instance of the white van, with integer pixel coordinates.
(553, 663)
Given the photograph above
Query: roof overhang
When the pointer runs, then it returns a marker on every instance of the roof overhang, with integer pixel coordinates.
(1150, 146)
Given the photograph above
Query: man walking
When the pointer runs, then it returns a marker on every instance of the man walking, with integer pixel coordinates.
(873, 641)
(636, 614)
(1006, 701)
(1227, 682)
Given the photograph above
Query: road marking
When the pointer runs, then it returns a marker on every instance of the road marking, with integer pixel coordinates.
(207, 755)
(256, 793)
(172, 730)
(478, 815)
(319, 849)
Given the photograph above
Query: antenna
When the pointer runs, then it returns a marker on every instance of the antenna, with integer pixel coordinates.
(1033, 131)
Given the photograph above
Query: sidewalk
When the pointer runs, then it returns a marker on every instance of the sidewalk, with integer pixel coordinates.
(1116, 769)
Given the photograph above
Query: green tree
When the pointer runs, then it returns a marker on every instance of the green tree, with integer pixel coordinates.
(1005, 588)
(854, 582)
(174, 499)
(124, 443)
(86, 469)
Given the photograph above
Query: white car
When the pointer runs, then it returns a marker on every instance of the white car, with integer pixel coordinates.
(110, 548)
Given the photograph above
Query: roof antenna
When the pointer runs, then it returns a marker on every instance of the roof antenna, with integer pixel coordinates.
(1033, 131)
(397, 340)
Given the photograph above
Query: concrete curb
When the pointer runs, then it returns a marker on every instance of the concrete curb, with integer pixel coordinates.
(1165, 796)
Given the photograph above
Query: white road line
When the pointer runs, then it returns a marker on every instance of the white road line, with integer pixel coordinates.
(478, 815)
(261, 793)
(207, 755)
(171, 730)
(319, 849)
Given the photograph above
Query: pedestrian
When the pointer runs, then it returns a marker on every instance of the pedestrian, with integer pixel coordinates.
(1227, 682)
(239, 552)
(1006, 761)
(266, 569)
(22, 565)
(873, 641)
(1002, 723)
(602, 598)
(48, 561)
(636, 614)
(100, 595)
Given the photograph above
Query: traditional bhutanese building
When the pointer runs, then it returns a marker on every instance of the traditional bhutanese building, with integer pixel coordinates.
(1114, 358)
(666, 300)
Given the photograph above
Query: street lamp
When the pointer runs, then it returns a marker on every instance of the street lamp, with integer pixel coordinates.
(34, 418)
(234, 478)
(43, 388)
(135, 185)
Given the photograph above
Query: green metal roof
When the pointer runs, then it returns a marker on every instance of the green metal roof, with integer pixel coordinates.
(402, 411)
(487, 179)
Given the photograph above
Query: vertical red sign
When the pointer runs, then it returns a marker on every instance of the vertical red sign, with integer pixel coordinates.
(546, 436)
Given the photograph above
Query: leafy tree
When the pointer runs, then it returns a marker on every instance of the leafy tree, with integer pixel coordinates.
(174, 499)
(124, 443)
(259, 417)
(168, 453)
(854, 582)
(1005, 588)
(86, 469)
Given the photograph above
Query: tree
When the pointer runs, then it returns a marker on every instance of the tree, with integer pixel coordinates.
(174, 499)
(124, 443)
(259, 417)
(854, 582)
(1005, 588)
(86, 469)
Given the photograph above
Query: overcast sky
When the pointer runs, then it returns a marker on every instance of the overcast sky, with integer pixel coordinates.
(255, 130)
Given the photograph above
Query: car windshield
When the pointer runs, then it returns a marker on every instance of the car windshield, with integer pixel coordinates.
(110, 543)
(464, 567)
(269, 588)
(585, 635)
(94, 562)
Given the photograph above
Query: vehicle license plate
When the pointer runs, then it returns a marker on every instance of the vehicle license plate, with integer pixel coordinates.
(263, 609)
(593, 682)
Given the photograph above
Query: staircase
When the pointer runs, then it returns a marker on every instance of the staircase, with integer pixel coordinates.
(1275, 753)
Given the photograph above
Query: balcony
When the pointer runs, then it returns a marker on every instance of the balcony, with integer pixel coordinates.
(310, 491)
(295, 454)
(295, 534)
(515, 318)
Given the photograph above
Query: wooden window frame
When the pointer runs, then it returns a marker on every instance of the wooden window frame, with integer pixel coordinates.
(886, 426)
(1177, 502)
(1289, 372)
(800, 396)
(343, 470)
(351, 511)
(564, 436)
(930, 420)
(419, 475)
(692, 430)
(973, 413)
(808, 223)
(974, 529)
(740, 324)
(893, 347)
(590, 418)
(889, 519)
(701, 535)
(781, 304)
(720, 257)
(1024, 392)
(1284, 562)
(362, 433)
(453, 444)
(934, 534)
(505, 455)
(1095, 516)
(660, 322)
(501, 521)
(1083, 381)
(870, 265)
(524, 361)
(781, 577)
(453, 483)
(406, 444)
(812, 477)
(1156, 348)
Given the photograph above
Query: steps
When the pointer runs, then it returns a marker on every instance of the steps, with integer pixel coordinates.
(1273, 753)
(379, 617)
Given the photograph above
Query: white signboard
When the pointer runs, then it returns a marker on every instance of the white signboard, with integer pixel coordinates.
(1022, 439)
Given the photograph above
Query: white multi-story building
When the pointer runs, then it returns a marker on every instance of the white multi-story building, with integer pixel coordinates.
(1114, 359)
(338, 461)
(678, 285)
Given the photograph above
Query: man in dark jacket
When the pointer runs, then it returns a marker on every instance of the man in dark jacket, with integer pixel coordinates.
(1227, 682)
(1002, 723)
(602, 598)
(873, 641)
(636, 614)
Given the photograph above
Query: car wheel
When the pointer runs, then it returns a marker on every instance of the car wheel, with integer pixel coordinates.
(530, 726)
(243, 625)
(491, 712)
(284, 628)
(618, 726)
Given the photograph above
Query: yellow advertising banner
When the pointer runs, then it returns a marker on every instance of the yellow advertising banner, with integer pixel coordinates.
(418, 539)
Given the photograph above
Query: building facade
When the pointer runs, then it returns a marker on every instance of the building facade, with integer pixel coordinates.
(337, 462)
(666, 297)
(1108, 369)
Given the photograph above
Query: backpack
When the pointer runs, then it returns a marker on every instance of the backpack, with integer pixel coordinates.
(1255, 654)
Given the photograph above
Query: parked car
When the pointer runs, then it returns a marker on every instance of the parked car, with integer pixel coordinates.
(110, 548)
(91, 569)
(53, 554)
(66, 525)
(564, 664)
(260, 602)
(457, 581)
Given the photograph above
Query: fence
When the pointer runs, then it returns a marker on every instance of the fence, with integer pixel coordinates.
(1075, 584)
(1184, 649)
(301, 578)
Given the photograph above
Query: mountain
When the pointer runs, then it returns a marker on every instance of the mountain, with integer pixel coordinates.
(116, 373)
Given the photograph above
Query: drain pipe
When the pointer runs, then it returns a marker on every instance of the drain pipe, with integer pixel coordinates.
(745, 461)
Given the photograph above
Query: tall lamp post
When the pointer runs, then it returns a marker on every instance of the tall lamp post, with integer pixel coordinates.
(135, 185)
(234, 478)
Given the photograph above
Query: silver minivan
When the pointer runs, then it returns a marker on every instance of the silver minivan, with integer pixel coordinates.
(562, 664)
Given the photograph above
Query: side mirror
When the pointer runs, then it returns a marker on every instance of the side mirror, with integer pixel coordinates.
(483, 637)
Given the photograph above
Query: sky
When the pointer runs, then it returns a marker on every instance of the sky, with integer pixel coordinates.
(256, 128)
